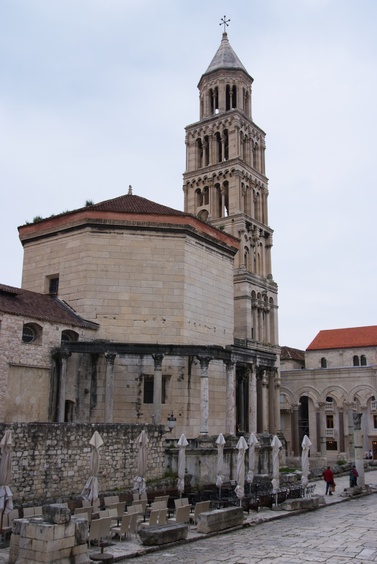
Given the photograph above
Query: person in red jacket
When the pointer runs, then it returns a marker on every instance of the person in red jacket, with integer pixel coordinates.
(328, 476)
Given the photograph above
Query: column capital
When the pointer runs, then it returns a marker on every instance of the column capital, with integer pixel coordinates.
(158, 358)
(357, 421)
(230, 364)
(64, 354)
(204, 361)
(110, 357)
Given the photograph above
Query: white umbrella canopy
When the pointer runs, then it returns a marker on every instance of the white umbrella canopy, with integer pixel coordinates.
(220, 442)
(182, 444)
(276, 446)
(90, 491)
(6, 498)
(253, 443)
(142, 462)
(305, 445)
(240, 471)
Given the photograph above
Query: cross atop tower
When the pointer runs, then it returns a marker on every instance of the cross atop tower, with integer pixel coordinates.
(225, 23)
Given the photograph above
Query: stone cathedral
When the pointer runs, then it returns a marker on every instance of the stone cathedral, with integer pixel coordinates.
(133, 312)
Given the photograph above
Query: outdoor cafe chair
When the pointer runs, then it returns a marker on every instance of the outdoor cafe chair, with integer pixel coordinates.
(200, 507)
(162, 516)
(105, 527)
(94, 531)
(134, 523)
(181, 501)
(123, 529)
(103, 513)
(84, 511)
(153, 519)
(135, 496)
(182, 515)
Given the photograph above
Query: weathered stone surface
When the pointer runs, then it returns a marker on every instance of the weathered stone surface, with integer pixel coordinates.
(56, 513)
(163, 534)
(81, 530)
(220, 519)
(302, 503)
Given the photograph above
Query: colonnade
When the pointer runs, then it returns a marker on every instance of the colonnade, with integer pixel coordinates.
(262, 389)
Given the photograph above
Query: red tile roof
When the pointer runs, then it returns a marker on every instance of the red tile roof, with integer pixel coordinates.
(345, 338)
(17, 301)
(287, 353)
(129, 203)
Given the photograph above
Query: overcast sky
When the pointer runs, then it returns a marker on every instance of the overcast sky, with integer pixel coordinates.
(95, 95)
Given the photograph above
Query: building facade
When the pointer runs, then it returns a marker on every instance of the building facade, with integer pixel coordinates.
(183, 305)
(320, 398)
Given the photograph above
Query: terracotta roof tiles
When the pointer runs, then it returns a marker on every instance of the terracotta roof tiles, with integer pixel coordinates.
(345, 338)
(16, 301)
(129, 203)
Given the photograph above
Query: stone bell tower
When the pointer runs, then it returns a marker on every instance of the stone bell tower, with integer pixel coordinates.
(225, 183)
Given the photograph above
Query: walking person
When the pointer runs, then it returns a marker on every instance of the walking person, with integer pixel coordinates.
(353, 476)
(328, 476)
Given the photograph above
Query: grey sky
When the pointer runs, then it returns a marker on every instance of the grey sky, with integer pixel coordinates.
(95, 95)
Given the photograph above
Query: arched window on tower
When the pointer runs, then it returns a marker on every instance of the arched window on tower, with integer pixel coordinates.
(234, 97)
(363, 360)
(219, 152)
(214, 100)
(228, 95)
(356, 361)
(226, 198)
(246, 258)
(323, 362)
(205, 196)
(199, 153)
(256, 156)
(216, 204)
(226, 144)
(198, 198)
(206, 150)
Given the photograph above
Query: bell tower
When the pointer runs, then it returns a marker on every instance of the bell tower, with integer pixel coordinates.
(225, 184)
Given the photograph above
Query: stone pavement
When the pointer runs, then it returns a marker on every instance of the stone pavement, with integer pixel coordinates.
(336, 534)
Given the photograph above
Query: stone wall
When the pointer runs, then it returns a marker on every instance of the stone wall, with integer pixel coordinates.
(25, 367)
(52, 460)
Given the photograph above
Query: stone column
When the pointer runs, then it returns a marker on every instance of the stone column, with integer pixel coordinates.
(109, 387)
(341, 431)
(318, 430)
(204, 393)
(322, 428)
(265, 428)
(295, 437)
(359, 463)
(351, 431)
(62, 385)
(252, 399)
(157, 388)
(277, 383)
(230, 418)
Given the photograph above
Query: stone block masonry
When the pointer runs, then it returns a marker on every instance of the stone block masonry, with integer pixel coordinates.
(51, 461)
(55, 538)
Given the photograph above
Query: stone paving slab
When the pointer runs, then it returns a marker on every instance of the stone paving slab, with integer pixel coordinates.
(133, 547)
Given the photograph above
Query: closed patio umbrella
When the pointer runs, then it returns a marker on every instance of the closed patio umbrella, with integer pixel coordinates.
(240, 471)
(182, 444)
(253, 443)
(220, 442)
(6, 499)
(142, 462)
(305, 445)
(276, 446)
(90, 491)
